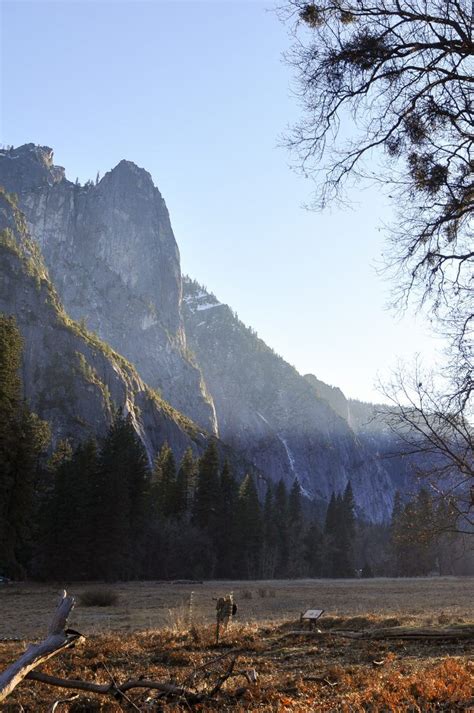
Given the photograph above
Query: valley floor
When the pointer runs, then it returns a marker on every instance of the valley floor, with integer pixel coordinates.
(158, 630)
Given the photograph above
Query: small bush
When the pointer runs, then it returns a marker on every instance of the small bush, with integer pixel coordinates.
(98, 597)
(246, 594)
(263, 593)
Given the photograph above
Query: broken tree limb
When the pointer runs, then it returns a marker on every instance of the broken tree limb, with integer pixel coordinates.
(58, 639)
(114, 688)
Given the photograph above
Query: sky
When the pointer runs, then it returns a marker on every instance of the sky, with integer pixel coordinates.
(199, 95)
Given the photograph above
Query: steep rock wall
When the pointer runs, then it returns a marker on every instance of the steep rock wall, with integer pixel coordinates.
(113, 259)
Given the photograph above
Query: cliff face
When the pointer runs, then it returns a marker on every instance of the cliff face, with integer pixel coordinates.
(112, 256)
(269, 412)
(373, 433)
(71, 378)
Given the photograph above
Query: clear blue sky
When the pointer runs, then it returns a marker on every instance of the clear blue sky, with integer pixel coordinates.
(198, 94)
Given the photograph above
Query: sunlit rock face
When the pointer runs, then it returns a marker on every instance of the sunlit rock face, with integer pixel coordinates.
(70, 378)
(113, 258)
(272, 414)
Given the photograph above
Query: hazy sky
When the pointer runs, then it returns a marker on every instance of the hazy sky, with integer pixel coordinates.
(198, 94)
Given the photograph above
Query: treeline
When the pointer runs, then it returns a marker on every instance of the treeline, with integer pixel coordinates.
(99, 511)
(106, 515)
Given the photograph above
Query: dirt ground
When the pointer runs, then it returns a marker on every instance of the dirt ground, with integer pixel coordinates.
(160, 631)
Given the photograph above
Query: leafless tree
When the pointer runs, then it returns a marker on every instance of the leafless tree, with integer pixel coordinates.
(430, 428)
(386, 89)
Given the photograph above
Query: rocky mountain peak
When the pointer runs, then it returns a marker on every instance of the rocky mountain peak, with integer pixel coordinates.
(114, 260)
(30, 166)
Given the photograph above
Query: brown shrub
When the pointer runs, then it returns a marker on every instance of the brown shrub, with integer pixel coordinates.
(98, 597)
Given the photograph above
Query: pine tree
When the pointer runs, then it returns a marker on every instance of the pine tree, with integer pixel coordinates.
(280, 515)
(345, 534)
(329, 538)
(120, 503)
(313, 541)
(164, 483)
(250, 528)
(207, 490)
(339, 530)
(69, 543)
(226, 536)
(186, 481)
(348, 512)
(295, 531)
(23, 437)
(83, 479)
(270, 536)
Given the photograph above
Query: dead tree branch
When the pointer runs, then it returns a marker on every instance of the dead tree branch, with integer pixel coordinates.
(58, 639)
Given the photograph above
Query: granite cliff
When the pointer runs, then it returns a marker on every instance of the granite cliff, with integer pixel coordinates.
(113, 259)
(70, 377)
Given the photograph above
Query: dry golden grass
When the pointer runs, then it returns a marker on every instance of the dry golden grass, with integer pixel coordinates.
(295, 673)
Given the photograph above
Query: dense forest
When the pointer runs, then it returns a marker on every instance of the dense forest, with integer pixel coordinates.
(99, 511)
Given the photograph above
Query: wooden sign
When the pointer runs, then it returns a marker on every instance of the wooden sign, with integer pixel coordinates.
(312, 614)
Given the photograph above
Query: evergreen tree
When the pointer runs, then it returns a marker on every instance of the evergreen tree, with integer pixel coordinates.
(250, 528)
(329, 538)
(345, 533)
(367, 571)
(165, 483)
(295, 531)
(313, 541)
(69, 524)
(270, 535)
(280, 515)
(23, 437)
(207, 490)
(339, 530)
(226, 539)
(348, 512)
(186, 481)
(120, 502)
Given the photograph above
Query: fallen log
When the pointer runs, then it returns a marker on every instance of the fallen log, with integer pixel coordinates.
(455, 633)
(58, 639)
(115, 689)
(408, 633)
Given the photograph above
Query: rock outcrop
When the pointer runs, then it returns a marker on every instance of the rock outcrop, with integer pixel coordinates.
(70, 377)
(269, 412)
(111, 253)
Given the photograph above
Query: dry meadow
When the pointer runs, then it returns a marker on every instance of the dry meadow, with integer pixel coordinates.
(165, 631)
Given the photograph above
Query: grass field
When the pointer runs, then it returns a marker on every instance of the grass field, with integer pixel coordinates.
(159, 630)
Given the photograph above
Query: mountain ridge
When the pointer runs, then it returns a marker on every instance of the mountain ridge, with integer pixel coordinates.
(114, 261)
(113, 258)
(270, 413)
